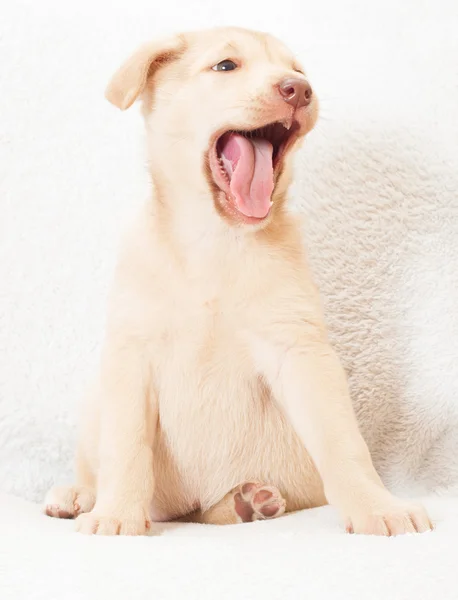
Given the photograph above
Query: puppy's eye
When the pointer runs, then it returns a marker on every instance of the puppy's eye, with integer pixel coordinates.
(225, 65)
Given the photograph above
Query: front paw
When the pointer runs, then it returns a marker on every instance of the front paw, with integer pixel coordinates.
(391, 517)
(114, 522)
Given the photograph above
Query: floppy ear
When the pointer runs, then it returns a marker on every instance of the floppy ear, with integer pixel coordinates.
(130, 79)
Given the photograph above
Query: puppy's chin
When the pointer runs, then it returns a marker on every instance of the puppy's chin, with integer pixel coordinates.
(226, 209)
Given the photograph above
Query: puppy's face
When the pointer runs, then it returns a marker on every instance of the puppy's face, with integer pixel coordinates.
(224, 109)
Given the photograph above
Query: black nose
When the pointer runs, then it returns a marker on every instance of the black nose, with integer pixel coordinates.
(297, 92)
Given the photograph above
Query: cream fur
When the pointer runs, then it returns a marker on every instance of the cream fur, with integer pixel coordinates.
(216, 368)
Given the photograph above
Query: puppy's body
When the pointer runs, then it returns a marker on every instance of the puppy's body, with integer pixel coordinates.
(219, 393)
(200, 322)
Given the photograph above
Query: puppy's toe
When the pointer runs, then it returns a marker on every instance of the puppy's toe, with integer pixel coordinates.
(68, 502)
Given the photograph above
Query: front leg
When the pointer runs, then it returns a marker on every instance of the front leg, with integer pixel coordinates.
(309, 383)
(128, 418)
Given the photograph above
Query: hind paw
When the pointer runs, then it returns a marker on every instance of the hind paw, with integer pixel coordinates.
(254, 501)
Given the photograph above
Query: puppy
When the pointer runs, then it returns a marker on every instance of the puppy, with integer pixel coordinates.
(219, 398)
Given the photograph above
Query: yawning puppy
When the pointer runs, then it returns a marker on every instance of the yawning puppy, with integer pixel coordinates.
(219, 398)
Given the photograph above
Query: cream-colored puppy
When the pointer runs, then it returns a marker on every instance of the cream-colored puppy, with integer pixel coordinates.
(219, 397)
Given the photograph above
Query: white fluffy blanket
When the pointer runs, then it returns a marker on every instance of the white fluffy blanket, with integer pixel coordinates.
(378, 185)
(305, 555)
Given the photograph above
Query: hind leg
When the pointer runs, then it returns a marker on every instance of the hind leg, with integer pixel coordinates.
(251, 501)
(67, 502)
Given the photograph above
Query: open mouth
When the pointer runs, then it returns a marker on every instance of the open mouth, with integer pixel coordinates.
(245, 165)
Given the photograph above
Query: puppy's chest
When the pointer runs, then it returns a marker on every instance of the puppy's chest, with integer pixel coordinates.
(207, 386)
(200, 349)
(199, 333)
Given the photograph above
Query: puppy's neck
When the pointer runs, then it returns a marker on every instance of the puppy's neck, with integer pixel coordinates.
(186, 219)
(198, 238)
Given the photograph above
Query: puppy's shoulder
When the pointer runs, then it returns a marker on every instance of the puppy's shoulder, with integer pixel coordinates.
(138, 271)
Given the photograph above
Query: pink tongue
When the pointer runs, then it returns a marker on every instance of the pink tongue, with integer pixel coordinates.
(249, 166)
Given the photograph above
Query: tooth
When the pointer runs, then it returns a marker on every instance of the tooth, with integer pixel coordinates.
(287, 123)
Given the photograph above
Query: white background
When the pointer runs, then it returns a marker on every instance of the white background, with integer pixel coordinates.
(377, 182)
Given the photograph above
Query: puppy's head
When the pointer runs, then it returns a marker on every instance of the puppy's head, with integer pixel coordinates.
(224, 109)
